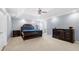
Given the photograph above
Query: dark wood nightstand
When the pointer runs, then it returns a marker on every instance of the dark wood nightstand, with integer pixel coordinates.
(16, 33)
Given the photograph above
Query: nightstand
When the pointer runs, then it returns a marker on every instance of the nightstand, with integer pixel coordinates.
(16, 33)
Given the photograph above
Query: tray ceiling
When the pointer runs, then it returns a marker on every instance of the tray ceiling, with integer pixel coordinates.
(33, 12)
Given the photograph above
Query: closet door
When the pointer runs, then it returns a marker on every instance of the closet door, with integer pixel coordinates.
(1, 24)
(3, 30)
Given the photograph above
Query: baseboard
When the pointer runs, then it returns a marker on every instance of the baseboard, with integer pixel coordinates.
(0, 48)
(3, 48)
(77, 42)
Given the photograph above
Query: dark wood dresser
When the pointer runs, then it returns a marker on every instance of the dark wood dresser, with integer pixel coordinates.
(16, 33)
(64, 34)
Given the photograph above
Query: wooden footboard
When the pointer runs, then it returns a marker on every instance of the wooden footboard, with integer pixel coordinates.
(30, 35)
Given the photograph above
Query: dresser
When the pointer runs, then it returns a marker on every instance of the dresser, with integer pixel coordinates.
(64, 34)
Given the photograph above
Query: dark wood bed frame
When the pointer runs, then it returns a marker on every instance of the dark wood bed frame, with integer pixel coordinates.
(64, 34)
(30, 34)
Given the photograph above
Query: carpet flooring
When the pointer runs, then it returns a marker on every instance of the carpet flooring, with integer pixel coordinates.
(45, 43)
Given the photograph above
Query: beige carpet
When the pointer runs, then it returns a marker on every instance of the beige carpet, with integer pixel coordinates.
(40, 44)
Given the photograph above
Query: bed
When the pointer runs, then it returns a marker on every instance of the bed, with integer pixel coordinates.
(28, 32)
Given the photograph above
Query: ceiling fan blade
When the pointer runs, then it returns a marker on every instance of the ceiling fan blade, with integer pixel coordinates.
(44, 12)
(40, 11)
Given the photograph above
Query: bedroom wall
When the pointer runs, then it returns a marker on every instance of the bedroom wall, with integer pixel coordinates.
(65, 21)
(9, 26)
(17, 23)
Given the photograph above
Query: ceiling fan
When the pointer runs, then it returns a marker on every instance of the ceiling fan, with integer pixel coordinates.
(40, 11)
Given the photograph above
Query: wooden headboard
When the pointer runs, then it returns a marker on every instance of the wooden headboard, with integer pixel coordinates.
(64, 34)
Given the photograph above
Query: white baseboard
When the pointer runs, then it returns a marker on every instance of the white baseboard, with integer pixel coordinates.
(1, 48)
(77, 42)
